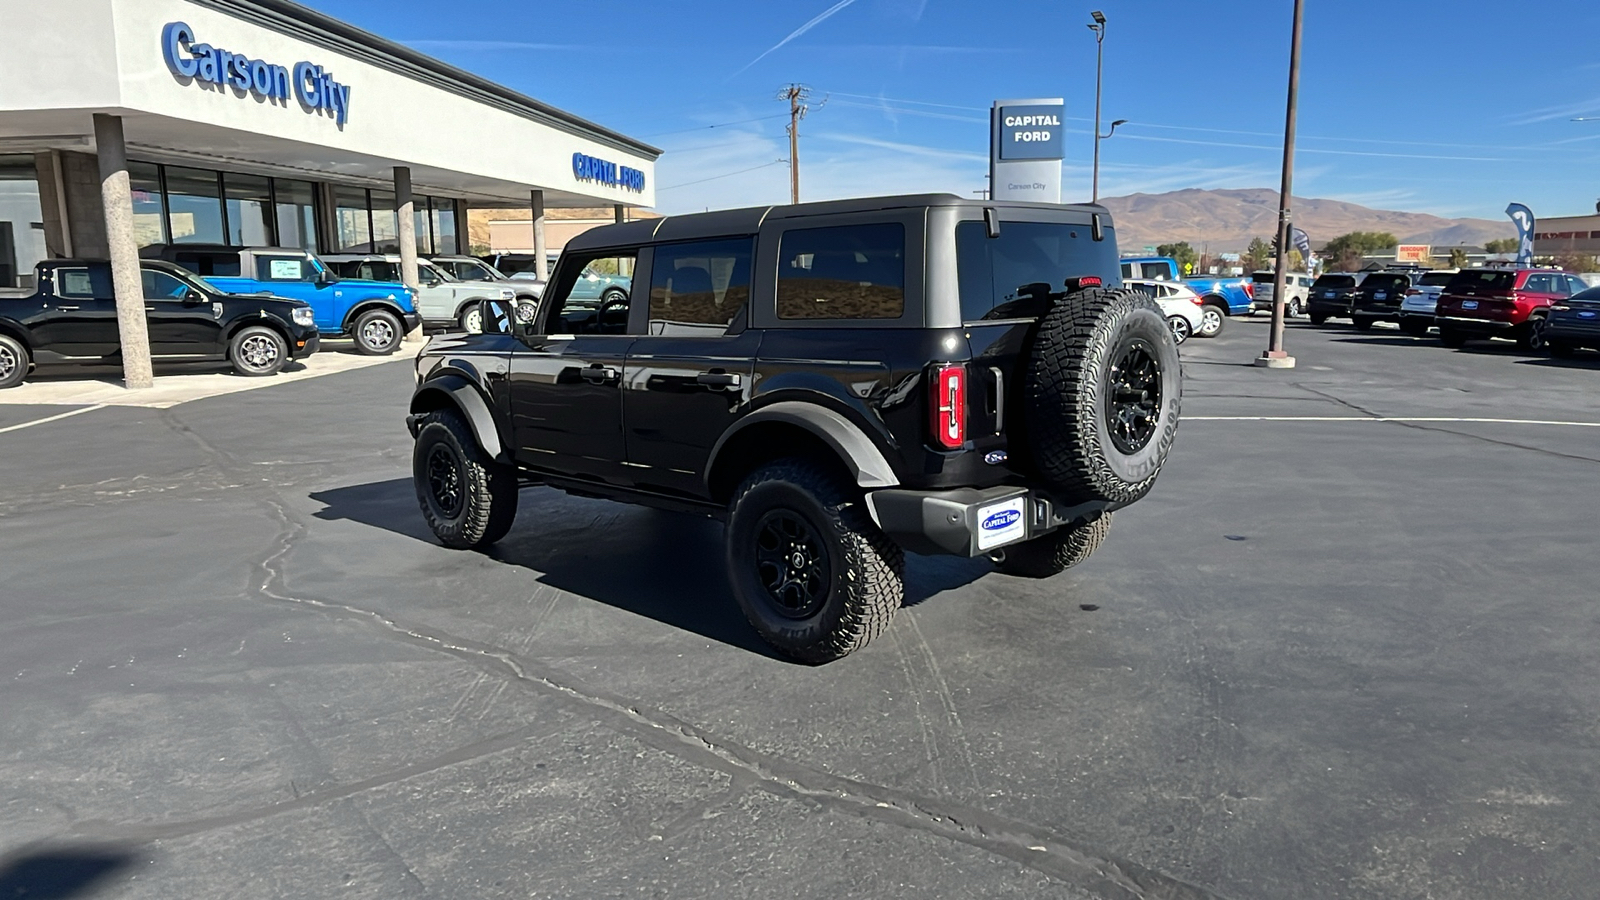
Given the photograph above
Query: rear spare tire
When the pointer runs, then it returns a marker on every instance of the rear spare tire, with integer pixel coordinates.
(1101, 396)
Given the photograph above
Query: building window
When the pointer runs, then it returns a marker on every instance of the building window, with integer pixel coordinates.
(21, 222)
(194, 206)
(149, 206)
(444, 226)
(353, 221)
(249, 205)
(385, 222)
(297, 213)
(423, 222)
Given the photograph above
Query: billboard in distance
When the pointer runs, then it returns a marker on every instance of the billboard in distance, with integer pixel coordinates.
(1413, 253)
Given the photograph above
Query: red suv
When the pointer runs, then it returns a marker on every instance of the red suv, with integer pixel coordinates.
(1511, 303)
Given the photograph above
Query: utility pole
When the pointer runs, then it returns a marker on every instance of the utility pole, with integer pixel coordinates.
(1275, 357)
(796, 94)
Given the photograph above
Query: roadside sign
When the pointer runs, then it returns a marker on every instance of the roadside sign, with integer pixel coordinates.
(1413, 253)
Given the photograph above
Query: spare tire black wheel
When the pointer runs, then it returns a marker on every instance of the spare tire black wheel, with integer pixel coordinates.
(1101, 396)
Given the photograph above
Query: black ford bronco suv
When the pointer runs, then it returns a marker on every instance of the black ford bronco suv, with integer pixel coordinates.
(839, 382)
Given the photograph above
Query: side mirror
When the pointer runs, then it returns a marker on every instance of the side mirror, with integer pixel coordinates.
(325, 278)
(192, 297)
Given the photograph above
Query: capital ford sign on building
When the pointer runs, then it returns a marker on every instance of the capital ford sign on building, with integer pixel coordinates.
(1026, 145)
(589, 168)
(314, 87)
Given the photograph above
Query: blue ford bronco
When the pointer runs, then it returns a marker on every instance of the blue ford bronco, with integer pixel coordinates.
(376, 314)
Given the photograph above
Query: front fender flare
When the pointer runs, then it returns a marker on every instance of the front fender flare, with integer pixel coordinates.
(456, 391)
(857, 451)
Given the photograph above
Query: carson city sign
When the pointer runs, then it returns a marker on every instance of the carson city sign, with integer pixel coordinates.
(312, 85)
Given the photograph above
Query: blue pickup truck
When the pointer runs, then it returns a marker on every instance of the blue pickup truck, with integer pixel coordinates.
(1219, 297)
(376, 314)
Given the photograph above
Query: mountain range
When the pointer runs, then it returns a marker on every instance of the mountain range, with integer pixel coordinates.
(1224, 221)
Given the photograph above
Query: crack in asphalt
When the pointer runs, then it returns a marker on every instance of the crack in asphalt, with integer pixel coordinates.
(1417, 426)
(1100, 874)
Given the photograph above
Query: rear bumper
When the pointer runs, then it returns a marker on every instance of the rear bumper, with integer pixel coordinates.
(1476, 326)
(971, 521)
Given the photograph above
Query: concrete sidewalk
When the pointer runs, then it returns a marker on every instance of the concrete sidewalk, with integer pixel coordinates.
(179, 383)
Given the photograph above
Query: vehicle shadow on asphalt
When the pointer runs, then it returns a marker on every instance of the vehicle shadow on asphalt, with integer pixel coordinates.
(59, 872)
(1590, 361)
(664, 566)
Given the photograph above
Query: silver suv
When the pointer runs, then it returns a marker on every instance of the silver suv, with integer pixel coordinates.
(444, 301)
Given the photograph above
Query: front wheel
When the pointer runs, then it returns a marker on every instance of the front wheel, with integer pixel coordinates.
(1532, 336)
(1297, 308)
(377, 332)
(468, 499)
(1181, 330)
(1057, 551)
(471, 318)
(1212, 319)
(1363, 323)
(1415, 327)
(813, 574)
(257, 351)
(1452, 338)
(13, 362)
(1319, 319)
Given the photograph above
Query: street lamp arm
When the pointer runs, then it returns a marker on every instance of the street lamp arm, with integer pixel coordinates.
(1113, 128)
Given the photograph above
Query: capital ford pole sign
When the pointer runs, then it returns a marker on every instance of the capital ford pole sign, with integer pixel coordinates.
(1026, 146)
(313, 86)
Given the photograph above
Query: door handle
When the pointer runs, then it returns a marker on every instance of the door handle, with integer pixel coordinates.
(598, 374)
(58, 306)
(718, 379)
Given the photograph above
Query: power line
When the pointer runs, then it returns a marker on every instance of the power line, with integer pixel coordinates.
(776, 162)
(718, 125)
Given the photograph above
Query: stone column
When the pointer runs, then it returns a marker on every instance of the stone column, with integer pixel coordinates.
(405, 210)
(117, 198)
(541, 266)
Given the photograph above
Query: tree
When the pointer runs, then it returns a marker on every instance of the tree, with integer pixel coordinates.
(1181, 252)
(1502, 245)
(1259, 254)
(1360, 243)
(1458, 258)
(1578, 262)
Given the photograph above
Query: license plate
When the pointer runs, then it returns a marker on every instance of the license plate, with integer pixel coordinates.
(1469, 304)
(1380, 295)
(1328, 294)
(1001, 523)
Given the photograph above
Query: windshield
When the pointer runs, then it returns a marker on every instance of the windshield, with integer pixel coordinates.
(1336, 281)
(1482, 279)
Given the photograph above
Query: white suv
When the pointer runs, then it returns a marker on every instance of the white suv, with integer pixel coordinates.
(1421, 299)
(443, 300)
(1296, 284)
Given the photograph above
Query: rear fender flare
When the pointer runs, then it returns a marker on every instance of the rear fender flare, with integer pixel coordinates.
(457, 392)
(859, 454)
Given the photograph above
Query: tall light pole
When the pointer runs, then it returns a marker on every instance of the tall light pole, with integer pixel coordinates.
(1275, 357)
(1099, 29)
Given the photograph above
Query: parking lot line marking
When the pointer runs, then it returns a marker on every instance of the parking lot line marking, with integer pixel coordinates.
(68, 413)
(1388, 419)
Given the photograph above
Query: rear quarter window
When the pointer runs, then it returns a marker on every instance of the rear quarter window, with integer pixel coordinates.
(842, 272)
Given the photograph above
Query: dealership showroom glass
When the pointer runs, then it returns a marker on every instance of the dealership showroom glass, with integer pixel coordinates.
(262, 122)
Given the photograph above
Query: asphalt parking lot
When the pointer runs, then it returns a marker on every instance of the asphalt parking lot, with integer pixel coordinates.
(1344, 650)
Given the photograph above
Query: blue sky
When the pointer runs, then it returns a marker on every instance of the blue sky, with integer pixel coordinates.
(1454, 108)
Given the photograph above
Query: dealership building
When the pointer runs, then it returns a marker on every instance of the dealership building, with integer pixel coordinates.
(262, 122)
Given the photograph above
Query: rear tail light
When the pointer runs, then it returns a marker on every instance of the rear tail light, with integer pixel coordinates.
(1250, 290)
(1413, 292)
(948, 406)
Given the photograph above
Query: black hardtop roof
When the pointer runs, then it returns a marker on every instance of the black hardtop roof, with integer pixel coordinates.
(728, 222)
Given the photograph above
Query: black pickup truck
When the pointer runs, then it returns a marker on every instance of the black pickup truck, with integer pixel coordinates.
(839, 382)
(71, 317)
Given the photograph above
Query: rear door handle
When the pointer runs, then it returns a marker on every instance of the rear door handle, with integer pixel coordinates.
(718, 379)
(598, 374)
(69, 308)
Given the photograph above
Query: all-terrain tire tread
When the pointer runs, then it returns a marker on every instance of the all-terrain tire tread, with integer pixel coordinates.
(490, 490)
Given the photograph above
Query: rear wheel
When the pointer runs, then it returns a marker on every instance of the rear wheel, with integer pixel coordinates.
(1532, 334)
(13, 361)
(1212, 318)
(1363, 323)
(1319, 319)
(1415, 327)
(258, 351)
(471, 318)
(468, 499)
(1452, 337)
(377, 332)
(814, 575)
(1057, 551)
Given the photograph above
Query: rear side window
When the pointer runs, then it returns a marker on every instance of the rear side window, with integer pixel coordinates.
(1544, 284)
(284, 268)
(85, 284)
(993, 272)
(1489, 279)
(377, 271)
(698, 288)
(843, 272)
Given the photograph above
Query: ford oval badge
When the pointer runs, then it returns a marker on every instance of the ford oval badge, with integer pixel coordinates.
(1003, 519)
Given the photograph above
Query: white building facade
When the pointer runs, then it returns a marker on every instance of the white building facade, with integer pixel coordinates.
(262, 122)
